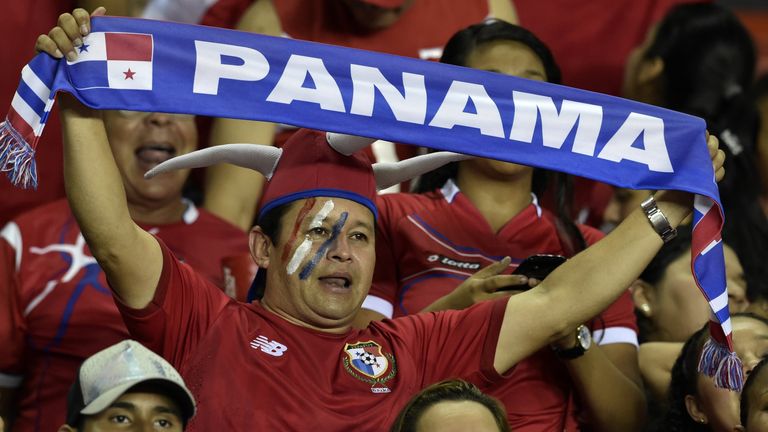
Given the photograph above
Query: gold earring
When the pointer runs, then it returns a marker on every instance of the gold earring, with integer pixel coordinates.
(645, 308)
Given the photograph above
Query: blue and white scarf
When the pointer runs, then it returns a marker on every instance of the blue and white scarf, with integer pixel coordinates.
(145, 65)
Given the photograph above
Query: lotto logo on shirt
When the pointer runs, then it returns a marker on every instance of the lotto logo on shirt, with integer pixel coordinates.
(113, 60)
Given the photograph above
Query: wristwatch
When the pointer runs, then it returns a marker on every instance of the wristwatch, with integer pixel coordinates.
(658, 221)
(583, 342)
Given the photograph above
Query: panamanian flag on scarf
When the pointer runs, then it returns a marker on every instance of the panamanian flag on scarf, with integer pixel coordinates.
(114, 60)
(154, 66)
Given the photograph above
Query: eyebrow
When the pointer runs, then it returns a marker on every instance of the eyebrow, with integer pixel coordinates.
(363, 224)
(158, 408)
(525, 73)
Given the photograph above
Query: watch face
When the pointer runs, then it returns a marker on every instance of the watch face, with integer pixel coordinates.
(584, 336)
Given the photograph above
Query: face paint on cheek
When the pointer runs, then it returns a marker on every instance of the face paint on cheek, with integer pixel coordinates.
(307, 270)
(308, 204)
(306, 245)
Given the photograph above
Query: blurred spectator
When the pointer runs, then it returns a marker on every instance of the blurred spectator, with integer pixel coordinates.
(127, 387)
(669, 305)
(453, 405)
(753, 400)
(700, 60)
(60, 307)
(592, 56)
(761, 97)
(23, 21)
(433, 249)
(695, 404)
(412, 28)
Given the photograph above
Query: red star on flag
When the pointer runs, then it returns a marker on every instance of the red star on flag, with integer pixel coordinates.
(129, 74)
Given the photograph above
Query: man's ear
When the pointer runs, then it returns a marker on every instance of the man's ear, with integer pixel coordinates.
(643, 296)
(739, 428)
(261, 246)
(694, 410)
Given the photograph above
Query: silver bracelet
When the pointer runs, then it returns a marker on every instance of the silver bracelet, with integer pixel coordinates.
(658, 221)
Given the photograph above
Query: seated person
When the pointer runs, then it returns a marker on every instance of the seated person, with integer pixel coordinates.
(295, 351)
(695, 404)
(127, 387)
(55, 305)
(753, 400)
(452, 405)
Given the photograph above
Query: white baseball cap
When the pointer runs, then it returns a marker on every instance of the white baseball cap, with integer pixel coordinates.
(108, 374)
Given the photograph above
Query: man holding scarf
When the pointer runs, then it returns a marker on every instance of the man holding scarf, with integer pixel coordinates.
(292, 361)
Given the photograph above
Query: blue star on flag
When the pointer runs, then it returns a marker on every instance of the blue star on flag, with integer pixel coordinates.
(83, 48)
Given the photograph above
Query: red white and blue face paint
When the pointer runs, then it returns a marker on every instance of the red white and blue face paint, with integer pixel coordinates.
(335, 231)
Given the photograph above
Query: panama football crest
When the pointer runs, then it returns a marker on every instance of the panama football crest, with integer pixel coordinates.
(366, 362)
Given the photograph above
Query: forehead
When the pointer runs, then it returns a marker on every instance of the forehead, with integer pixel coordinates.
(308, 209)
(505, 56)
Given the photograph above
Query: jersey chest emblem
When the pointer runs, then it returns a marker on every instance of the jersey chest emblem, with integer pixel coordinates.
(366, 362)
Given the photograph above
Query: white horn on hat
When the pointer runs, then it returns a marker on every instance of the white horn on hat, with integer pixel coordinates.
(391, 173)
(347, 144)
(262, 158)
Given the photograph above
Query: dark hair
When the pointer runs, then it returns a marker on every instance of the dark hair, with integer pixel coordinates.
(456, 52)
(450, 390)
(709, 63)
(684, 376)
(751, 379)
(683, 383)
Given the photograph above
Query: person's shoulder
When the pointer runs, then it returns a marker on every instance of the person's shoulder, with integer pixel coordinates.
(406, 203)
(44, 215)
(214, 223)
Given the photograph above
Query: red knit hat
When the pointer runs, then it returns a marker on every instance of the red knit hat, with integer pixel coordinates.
(309, 167)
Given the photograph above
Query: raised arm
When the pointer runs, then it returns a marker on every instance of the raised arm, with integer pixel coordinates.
(590, 281)
(232, 192)
(130, 257)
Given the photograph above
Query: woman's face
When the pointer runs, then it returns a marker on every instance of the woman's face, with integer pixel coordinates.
(139, 142)
(508, 58)
(721, 407)
(679, 309)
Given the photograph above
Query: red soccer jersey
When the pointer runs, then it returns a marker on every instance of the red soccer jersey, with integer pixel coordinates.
(250, 369)
(426, 245)
(60, 308)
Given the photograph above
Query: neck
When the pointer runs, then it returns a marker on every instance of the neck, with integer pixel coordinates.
(157, 215)
(497, 199)
(335, 328)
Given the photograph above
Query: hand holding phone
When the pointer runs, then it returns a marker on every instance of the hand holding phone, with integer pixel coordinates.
(539, 266)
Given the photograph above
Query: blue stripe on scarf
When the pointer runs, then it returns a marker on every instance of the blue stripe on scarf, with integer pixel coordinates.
(196, 70)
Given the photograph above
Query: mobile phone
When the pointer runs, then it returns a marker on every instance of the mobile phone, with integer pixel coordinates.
(539, 266)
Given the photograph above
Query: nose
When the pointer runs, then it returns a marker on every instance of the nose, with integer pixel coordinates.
(339, 249)
(160, 119)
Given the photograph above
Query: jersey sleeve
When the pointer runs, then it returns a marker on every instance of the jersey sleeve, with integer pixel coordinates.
(616, 324)
(179, 316)
(383, 293)
(454, 343)
(12, 323)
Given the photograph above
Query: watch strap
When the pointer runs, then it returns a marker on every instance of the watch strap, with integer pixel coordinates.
(658, 220)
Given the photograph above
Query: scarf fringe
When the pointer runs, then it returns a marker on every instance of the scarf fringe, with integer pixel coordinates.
(722, 365)
(17, 157)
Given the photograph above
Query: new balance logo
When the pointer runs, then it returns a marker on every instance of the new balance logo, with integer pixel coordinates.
(272, 348)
